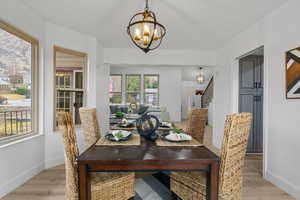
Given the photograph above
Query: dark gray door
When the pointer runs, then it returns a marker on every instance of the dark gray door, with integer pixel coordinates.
(251, 98)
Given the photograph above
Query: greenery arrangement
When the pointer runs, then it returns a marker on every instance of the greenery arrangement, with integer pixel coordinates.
(177, 130)
(120, 114)
(119, 135)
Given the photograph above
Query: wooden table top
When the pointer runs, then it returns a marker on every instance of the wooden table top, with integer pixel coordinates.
(147, 156)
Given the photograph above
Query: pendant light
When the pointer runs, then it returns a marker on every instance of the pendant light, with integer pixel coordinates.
(145, 31)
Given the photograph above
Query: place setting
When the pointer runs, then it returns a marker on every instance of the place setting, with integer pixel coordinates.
(176, 137)
(125, 124)
(119, 137)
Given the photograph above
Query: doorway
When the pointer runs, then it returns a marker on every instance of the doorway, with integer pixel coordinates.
(251, 95)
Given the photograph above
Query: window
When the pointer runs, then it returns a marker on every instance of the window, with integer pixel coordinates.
(133, 88)
(151, 89)
(18, 77)
(70, 81)
(63, 99)
(115, 89)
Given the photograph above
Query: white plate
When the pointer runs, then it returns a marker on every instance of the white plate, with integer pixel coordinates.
(175, 137)
(124, 133)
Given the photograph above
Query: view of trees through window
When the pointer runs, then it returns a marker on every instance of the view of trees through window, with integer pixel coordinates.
(133, 93)
(133, 88)
(15, 85)
(151, 89)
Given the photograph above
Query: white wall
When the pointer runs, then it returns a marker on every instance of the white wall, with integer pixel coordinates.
(102, 91)
(278, 32)
(22, 160)
(160, 57)
(169, 85)
(67, 38)
(211, 111)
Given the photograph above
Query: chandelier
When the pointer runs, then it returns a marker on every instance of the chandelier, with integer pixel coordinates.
(145, 31)
(200, 77)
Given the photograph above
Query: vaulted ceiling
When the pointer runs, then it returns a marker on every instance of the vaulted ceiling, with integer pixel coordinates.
(191, 24)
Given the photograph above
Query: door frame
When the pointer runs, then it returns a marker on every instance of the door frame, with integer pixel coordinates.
(235, 96)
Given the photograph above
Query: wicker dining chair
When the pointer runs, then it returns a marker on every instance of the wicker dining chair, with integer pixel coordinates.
(104, 186)
(192, 185)
(196, 123)
(89, 123)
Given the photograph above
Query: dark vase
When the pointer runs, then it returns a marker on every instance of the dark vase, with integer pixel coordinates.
(147, 125)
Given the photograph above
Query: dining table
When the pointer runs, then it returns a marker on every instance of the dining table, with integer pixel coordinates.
(147, 157)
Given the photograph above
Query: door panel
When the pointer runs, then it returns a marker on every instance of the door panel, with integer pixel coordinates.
(247, 105)
(251, 98)
(247, 74)
(258, 123)
(259, 73)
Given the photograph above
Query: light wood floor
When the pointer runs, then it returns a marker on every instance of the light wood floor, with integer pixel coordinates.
(50, 184)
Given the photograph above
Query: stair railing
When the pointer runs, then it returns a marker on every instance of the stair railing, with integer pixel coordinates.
(208, 93)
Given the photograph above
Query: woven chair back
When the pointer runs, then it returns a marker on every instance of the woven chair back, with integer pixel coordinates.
(236, 134)
(89, 123)
(71, 153)
(196, 123)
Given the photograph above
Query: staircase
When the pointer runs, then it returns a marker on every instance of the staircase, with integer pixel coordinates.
(208, 93)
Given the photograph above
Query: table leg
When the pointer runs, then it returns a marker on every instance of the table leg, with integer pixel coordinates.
(212, 181)
(84, 183)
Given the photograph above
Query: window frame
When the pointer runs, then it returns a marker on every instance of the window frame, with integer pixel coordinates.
(140, 88)
(121, 92)
(144, 91)
(34, 81)
(84, 71)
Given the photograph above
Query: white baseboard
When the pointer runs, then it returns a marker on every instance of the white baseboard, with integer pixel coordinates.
(20, 179)
(283, 184)
(54, 162)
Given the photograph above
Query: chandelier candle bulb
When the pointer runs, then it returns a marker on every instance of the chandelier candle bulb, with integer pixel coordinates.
(137, 35)
(146, 40)
(155, 37)
(146, 30)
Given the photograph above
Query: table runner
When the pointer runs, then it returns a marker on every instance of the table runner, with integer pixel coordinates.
(134, 141)
(192, 143)
(122, 128)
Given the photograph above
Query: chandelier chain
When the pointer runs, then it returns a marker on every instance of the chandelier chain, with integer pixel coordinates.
(147, 6)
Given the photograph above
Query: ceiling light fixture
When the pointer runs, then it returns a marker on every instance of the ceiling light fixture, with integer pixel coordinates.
(200, 78)
(144, 30)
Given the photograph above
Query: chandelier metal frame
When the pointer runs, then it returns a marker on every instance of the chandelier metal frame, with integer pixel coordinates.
(147, 12)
